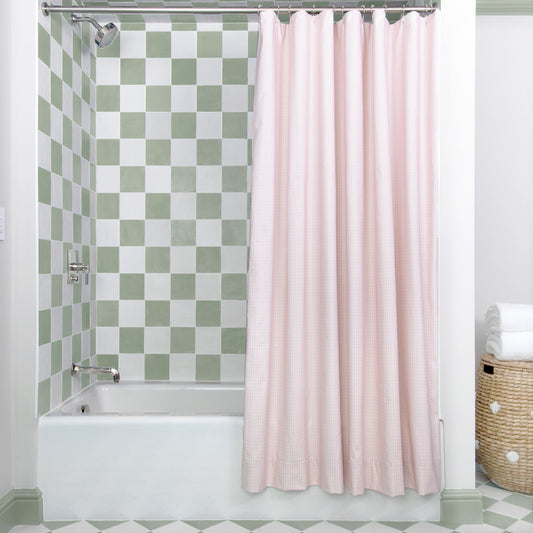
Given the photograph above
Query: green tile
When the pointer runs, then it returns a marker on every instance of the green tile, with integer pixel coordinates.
(183, 179)
(251, 525)
(158, 44)
(208, 259)
(350, 525)
(107, 259)
(67, 195)
(132, 125)
(253, 37)
(56, 28)
(66, 68)
(112, 50)
(234, 71)
(234, 286)
(56, 357)
(400, 526)
(234, 125)
(132, 233)
(156, 367)
(487, 502)
(56, 224)
(300, 525)
(132, 286)
(158, 259)
(528, 518)
(157, 313)
(209, 151)
(131, 340)
(44, 256)
(132, 71)
(76, 228)
(234, 179)
(131, 179)
(107, 313)
(207, 367)
(85, 88)
(183, 232)
(67, 320)
(43, 43)
(66, 385)
(109, 360)
(45, 326)
(76, 168)
(521, 500)
(157, 98)
(183, 286)
(158, 152)
(497, 520)
(233, 340)
(183, 125)
(56, 153)
(76, 293)
(108, 98)
(57, 290)
(157, 205)
(208, 313)
(85, 145)
(43, 393)
(101, 525)
(153, 524)
(208, 205)
(209, 44)
(107, 151)
(182, 340)
(43, 119)
(76, 348)
(251, 98)
(107, 205)
(76, 48)
(44, 186)
(86, 202)
(184, 72)
(209, 98)
(85, 315)
(202, 524)
(76, 109)
(234, 232)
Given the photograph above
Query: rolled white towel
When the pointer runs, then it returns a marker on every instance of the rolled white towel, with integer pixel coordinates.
(509, 317)
(511, 346)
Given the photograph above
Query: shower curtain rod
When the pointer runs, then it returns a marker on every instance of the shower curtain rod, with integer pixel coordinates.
(95, 10)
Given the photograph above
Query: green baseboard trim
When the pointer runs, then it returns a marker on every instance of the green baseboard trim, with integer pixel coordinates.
(504, 7)
(461, 506)
(20, 506)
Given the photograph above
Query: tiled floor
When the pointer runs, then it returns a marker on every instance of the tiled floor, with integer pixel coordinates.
(505, 512)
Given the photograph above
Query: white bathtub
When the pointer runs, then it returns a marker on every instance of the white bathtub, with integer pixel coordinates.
(173, 451)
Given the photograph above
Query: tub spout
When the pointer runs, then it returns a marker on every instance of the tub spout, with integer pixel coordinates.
(77, 369)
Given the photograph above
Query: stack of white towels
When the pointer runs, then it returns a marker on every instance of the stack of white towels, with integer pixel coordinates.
(510, 331)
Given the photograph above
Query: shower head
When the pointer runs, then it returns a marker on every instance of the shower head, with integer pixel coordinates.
(104, 34)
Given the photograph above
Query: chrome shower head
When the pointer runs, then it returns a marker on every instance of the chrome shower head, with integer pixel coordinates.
(104, 34)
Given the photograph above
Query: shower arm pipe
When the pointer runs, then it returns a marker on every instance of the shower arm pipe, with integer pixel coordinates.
(100, 10)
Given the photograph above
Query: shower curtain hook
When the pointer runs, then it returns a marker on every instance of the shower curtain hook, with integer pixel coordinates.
(259, 9)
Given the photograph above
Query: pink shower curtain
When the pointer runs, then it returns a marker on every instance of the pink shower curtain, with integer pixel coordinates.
(342, 367)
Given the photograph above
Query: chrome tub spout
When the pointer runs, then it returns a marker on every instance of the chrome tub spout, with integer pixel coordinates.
(77, 369)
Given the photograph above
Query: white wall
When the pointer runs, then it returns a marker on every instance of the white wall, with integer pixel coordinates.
(504, 164)
(6, 404)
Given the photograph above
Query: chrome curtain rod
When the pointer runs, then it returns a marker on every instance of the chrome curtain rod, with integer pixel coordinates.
(95, 10)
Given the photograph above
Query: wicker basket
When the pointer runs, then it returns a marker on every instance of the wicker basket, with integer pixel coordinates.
(504, 422)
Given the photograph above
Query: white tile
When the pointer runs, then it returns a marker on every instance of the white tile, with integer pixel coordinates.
(183, 44)
(108, 178)
(177, 527)
(183, 152)
(209, 71)
(227, 527)
(56, 390)
(235, 44)
(56, 190)
(56, 124)
(325, 527)
(275, 527)
(521, 527)
(209, 178)
(76, 199)
(208, 125)
(235, 98)
(131, 313)
(157, 340)
(29, 529)
(107, 286)
(76, 319)
(235, 205)
(107, 340)
(45, 361)
(182, 313)
(78, 527)
(232, 369)
(132, 152)
(132, 259)
(183, 98)
(132, 205)
(208, 340)
(67, 101)
(183, 259)
(252, 63)
(45, 291)
(108, 71)
(209, 23)
(509, 509)
(132, 44)
(157, 179)
(132, 98)
(156, 286)
(208, 232)
(56, 250)
(56, 317)
(375, 527)
(158, 125)
(477, 528)
(158, 71)
(66, 352)
(108, 232)
(56, 57)
(208, 286)
(157, 232)
(234, 152)
(426, 527)
(233, 314)
(131, 367)
(44, 143)
(108, 125)
(493, 492)
(183, 206)
(234, 259)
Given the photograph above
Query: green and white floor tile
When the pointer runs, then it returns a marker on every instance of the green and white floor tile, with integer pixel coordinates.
(505, 512)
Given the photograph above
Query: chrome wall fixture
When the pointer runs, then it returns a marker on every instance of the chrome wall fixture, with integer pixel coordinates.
(104, 34)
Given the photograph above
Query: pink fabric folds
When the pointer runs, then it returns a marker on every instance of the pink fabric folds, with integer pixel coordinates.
(341, 368)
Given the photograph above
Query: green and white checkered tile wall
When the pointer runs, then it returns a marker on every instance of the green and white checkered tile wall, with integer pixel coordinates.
(151, 139)
(66, 194)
